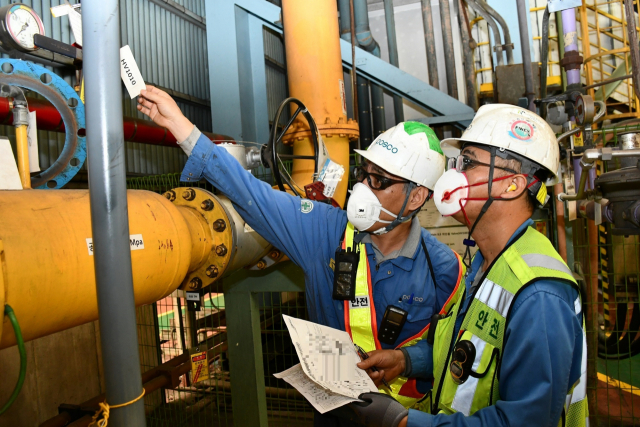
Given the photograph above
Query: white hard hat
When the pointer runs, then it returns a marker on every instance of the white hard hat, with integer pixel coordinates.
(410, 150)
(514, 129)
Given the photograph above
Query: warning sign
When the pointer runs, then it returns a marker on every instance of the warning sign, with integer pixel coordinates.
(199, 366)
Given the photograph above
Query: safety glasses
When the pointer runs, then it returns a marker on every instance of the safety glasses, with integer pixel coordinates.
(376, 181)
(463, 163)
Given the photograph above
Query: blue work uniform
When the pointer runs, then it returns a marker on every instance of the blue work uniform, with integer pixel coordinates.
(541, 359)
(309, 233)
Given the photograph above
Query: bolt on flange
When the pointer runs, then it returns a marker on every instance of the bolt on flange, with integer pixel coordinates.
(221, 250)
(275, 254)
(220, 225)
(212, 271)
(189, 194)
(195, 283)
(206, 205)
(170, 195)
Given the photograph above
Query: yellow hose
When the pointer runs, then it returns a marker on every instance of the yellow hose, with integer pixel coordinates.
(22, 145)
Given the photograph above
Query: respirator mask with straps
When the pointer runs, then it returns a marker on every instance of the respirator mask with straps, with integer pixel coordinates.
(364, 207)
(451, 192)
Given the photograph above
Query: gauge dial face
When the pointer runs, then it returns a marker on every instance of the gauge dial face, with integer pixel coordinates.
(23, 23)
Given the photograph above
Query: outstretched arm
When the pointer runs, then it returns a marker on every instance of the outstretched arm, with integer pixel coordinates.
(300, 231)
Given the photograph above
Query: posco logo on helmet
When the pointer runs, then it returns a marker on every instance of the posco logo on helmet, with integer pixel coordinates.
(388, 146)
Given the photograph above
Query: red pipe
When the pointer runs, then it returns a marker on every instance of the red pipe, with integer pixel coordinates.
(135, 130)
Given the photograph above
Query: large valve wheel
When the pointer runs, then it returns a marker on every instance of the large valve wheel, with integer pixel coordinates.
(58, 92)
(270, 156)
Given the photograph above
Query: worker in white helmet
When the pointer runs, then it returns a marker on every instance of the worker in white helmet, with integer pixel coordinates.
(512, 351)
(398, 267)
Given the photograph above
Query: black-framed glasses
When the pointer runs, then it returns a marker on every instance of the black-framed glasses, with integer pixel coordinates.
(463, 163)
(376, 181)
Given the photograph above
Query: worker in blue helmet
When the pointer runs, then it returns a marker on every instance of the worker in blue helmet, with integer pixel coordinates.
(399, 263)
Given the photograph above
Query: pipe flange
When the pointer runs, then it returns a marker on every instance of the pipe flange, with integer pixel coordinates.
(572, 60)
(328, 129)
(58, 92)
(212, 210)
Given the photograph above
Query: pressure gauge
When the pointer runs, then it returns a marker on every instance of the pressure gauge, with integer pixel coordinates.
(18, 24)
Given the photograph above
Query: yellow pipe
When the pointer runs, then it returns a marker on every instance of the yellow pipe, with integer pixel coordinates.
(22, 146)
(187, 239)
(47, 268)
(314, 71)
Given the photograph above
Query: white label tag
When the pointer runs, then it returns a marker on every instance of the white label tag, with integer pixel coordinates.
(343, 97)
(359, 302)
(63, 9)
(130, 73)
(330, 176)
(75, 20)
(32, 138)
(9, 175)
(193, 296)
(247, 228)
(597, 212)
(135, 243)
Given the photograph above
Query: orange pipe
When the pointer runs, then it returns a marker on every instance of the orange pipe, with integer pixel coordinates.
(314, 71)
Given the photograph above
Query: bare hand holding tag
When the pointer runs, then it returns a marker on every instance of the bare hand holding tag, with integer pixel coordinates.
(164, 111)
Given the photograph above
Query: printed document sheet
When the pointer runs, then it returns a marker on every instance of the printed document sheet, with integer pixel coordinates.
(327, 374)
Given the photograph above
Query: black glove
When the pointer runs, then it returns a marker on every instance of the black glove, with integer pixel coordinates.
(377, 410)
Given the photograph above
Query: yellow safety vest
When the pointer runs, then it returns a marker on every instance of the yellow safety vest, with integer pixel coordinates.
(529, 258)
(360, 323)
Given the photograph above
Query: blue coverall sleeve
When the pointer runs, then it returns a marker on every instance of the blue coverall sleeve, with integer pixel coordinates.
(544, 336)
(420, 358)
(275, 215)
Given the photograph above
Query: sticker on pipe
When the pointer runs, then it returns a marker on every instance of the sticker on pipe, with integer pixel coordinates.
(135, 243)
(130, 72)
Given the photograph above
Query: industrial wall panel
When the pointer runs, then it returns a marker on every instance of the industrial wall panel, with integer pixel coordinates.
(275, 70)
(171, 52)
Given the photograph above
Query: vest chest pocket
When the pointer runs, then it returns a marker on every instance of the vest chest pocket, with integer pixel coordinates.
(477, 389)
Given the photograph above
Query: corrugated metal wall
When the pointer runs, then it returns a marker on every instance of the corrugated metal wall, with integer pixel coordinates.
(276, 73)
(170, 48)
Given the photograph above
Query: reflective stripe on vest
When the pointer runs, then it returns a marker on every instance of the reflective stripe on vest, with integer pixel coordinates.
(531, 257)
(360, 322)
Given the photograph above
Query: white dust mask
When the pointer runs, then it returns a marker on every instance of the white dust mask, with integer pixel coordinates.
(363, 208)
(451, 192)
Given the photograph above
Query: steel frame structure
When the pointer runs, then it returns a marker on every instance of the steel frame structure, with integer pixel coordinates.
(238, 82)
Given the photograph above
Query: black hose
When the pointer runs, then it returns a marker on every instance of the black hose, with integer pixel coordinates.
(545, 61)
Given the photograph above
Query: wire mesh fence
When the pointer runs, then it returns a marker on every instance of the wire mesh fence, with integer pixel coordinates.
(166, 330)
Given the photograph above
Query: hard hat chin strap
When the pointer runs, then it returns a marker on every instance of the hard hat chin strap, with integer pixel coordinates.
(469, 242)
(400, 219)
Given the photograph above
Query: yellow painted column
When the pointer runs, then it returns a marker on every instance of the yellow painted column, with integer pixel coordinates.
(314, 72)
